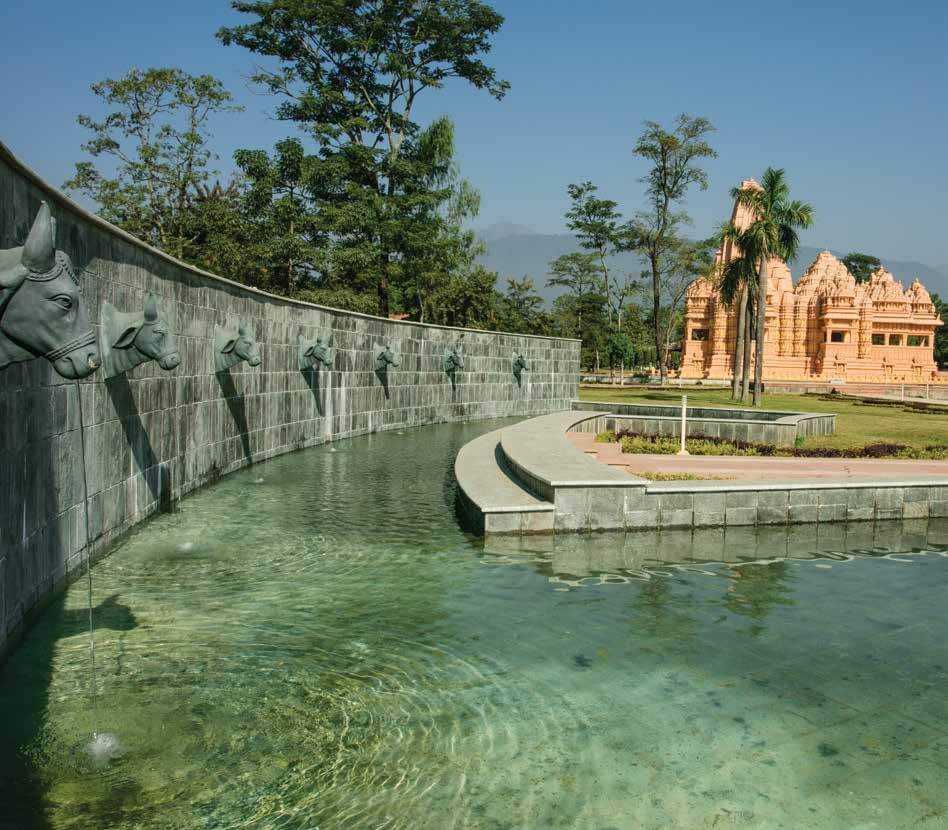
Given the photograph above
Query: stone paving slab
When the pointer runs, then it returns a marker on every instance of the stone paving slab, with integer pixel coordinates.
(759, 469)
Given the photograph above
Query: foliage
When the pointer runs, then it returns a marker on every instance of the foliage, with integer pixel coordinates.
(861, 266)
(675, 156)
(941, 333)
(772, 233)
(155, 136)
(600, 229)
(350, 74)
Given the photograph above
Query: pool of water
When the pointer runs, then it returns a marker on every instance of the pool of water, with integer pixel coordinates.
(314, 643)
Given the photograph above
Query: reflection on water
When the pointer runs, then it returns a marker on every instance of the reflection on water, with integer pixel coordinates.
(314, 643)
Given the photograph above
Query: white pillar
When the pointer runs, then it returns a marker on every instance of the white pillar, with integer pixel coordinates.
(684, 424)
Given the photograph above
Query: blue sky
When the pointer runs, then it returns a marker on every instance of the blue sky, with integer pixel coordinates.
(852, 99)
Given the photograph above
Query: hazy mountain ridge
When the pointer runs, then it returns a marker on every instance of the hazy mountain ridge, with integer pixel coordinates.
(514, 251)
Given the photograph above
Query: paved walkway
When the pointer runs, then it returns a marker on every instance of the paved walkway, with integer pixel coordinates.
(756, 468)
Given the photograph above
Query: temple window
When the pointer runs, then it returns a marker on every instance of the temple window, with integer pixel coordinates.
(895, 339)
(699, 334)
(878, 340)
(837, 337)
(917, 340)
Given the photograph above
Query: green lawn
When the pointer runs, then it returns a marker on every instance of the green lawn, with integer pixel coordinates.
(857, 423)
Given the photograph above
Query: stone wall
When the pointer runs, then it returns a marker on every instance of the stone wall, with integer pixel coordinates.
(153, 436)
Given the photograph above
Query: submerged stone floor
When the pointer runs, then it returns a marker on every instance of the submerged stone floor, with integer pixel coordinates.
(757, 468)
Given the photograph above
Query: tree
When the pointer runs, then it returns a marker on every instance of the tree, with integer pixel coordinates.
(278, 207)
(600, 229)
(581, 276)
(941, 333)
(655, 233)
(155, 132)
(521, 308)
(737, 286)
(350, 74)
(861, 266)
(772, 234)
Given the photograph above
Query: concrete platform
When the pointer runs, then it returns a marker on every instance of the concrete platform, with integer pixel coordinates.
(535, 478)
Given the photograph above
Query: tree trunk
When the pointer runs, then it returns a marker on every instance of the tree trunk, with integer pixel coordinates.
(657, 323)
(746, 363)
(761, 324)
(383, 285)
(738, 344)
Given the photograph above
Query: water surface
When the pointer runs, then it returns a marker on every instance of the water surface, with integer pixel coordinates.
(315, 643)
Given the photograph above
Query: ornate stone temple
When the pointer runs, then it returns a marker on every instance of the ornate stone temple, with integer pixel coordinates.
(826, 327)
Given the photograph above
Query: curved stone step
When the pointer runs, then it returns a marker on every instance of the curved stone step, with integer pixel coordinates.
(491, 498)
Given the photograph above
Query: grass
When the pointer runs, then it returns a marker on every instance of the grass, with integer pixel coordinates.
(653, 475)
(857, 423)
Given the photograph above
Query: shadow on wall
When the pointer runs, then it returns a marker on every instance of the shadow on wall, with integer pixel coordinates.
(311, 376)
(236, 403)
(157, 476)
(24, 695)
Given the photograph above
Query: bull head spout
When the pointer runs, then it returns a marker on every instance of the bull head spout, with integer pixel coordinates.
(316, 353)
(130, 339)
(519, 367)
(235, 344)
(41, 309)
(385, 357)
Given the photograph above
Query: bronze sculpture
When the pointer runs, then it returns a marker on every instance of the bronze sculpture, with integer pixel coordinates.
(41, 310)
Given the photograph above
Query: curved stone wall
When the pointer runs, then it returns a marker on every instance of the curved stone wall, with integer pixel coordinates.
(151, 436)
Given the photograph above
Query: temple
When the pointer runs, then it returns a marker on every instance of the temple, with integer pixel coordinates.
(827, 327)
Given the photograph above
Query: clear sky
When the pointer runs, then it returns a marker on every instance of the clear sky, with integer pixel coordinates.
(851, 98)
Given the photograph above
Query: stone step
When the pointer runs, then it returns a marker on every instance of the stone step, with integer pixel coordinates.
(491, 498)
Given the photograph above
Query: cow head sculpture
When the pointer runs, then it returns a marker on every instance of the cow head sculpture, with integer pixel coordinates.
(128, 340)
(235, 346)
(318, 352)
(519, 367)
(41, 309)
(453, 360)
(385, 357)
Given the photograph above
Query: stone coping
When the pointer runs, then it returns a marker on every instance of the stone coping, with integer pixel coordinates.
(55, 195)
(481, 476)
(539, 449)
(717, 486)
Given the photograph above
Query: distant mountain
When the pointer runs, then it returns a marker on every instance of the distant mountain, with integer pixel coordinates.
(516, 251)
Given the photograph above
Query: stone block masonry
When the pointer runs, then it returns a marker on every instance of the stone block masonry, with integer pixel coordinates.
(153, 436)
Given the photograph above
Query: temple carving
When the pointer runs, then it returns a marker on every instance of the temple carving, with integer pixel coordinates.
(827, 327)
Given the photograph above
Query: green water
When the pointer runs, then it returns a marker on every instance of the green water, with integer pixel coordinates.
(314, 643)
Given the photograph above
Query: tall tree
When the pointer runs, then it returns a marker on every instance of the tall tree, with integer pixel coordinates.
(580, 275)
(350, 74)
(599, 226)
(278, 206)
(675, 157)
(772, 234)
(155, 133)
(737, 284)
(861, 266)
(941, 333)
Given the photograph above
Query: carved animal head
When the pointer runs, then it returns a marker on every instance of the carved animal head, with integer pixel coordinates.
(453, 359)
(243, 346)
(321, 351)
(41, 310)
(151, 336)
(520, 364)
(384, 358)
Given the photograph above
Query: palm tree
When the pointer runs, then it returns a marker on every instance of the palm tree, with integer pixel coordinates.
(773, 233)
(736, 284)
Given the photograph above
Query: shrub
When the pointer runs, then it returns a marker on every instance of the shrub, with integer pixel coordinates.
(606, 437)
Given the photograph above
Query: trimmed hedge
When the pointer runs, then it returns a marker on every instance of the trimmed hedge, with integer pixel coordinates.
(637, 443)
